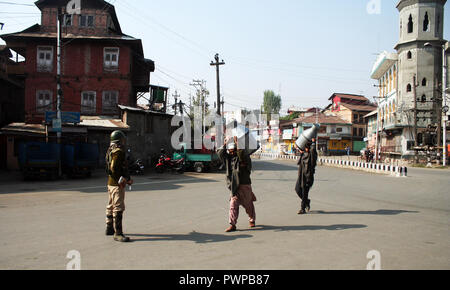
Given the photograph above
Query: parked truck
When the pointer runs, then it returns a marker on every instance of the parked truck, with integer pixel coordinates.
(44, 160)
(79, 159)
(39, 160)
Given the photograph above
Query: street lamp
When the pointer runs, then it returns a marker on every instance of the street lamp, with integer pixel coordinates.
(444, 101)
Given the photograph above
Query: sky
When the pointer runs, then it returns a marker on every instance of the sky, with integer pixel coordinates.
(303, 50)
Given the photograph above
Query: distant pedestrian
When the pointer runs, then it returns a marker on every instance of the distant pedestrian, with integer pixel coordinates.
(238, 166)
(306, 170)
(370, 156)
(347, 149)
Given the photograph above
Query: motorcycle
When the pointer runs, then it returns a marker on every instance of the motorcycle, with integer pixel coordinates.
(166, 163)
(135, 167)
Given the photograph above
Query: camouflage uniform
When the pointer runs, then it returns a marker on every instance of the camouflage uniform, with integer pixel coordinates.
(117, 168)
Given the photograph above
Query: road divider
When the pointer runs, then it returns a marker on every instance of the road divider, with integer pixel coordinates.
(379, 168)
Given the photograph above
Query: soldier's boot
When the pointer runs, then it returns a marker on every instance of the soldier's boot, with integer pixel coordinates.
(118, 235)
(109, 225)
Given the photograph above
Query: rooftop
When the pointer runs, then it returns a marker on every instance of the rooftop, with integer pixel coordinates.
(313, 119)
(349, 97)
(360, 108)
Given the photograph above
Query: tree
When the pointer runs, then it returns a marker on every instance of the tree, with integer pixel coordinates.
(290, 117)
(199, 101)
(272, 103)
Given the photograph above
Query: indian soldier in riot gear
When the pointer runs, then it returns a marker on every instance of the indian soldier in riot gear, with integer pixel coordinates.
(118, 178)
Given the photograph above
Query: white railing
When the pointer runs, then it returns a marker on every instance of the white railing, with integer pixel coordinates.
(398, 171)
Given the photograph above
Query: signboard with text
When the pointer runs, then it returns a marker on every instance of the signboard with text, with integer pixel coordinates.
(66, 117)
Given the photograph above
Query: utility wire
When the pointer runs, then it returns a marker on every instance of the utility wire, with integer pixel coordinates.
(19, 4)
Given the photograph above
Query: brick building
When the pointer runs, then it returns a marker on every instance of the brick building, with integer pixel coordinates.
(352, 109)
(101, 66)
(333, 137)
(11, 88)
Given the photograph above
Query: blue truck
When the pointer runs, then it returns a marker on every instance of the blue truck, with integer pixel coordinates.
(39, 159)
(43, 160)
(79, 159)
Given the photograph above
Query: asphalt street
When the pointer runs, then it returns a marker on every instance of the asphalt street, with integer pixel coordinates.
(179, 221)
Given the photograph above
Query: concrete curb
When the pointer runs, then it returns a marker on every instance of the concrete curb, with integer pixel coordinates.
(388, 169)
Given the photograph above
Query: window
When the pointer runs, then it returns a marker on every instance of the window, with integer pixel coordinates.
(44, 58)
(409, 55)
(401, 27)
(339, 129)
(410, 24)
(67, 20)
(423, 99)
(355, 132)
(86, 21)
(424, 82)
(408, 88)
(111, 58)
(110, 101)
(438, 24)
(43, 101)
(390, 80)
(88, 102)
(355, 118)
(426, 22)
(361, 132)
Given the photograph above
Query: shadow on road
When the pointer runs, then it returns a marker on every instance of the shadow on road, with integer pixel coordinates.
(309, 228)
(375, 212)
(199, 238)
(273, 166)
(97, 184)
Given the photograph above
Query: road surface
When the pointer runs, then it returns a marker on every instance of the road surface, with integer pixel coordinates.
(178, 222)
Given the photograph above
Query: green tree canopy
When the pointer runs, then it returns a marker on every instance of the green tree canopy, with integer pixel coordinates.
(290, 117)
(272, 103)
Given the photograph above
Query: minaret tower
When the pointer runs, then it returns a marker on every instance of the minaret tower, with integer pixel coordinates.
(420, 56)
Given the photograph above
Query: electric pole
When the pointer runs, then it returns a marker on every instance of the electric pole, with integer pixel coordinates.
(176, 96)
(217, 64)
(59, 92)
(438, 106)
(444, 107)
(416, 144)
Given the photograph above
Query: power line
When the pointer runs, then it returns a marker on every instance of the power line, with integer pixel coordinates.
(19, 4)
(258, 65)
(148, 20)
(20, 13)
(207, 52)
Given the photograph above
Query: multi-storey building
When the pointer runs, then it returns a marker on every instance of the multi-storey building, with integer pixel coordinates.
(410, 81)
(101, 67)
(352, 109)
(334, 135)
